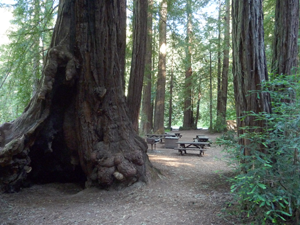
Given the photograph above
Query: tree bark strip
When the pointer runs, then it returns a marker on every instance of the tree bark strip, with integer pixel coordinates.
(249, 64)
(219, 67)
(147, 108)
(224, 86)
(138, 61)
(161, 77)
(285, 48)
(188, 112)
(171, 92)
(210, 90)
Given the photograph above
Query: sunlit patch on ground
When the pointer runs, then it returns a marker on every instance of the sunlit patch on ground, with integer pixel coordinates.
(168, 161)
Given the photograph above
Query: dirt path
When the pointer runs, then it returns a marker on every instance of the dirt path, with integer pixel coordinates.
(189, 192)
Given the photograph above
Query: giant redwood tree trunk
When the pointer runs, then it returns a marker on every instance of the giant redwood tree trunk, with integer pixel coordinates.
(76, 125)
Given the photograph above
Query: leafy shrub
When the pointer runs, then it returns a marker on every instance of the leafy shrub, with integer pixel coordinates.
(267, 188)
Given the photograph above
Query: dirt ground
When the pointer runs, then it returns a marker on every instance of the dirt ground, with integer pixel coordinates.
(189, 192)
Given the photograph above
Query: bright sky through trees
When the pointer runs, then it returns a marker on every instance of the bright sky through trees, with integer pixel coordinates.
(5, 17)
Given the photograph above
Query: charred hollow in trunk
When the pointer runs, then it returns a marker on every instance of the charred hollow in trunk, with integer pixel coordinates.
(51, 159)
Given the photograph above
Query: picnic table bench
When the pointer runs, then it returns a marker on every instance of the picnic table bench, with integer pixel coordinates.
(191, 145)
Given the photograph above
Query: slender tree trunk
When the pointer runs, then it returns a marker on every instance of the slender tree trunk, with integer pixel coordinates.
(153, 85)
(171, 93)
(210, 91)
(285, 49)
(219, 67)
(198, 106)
(77, 125)
(147, 108)
(249, 64)
(187, 115)
(138, 61)
(223, 97)
(161, 77)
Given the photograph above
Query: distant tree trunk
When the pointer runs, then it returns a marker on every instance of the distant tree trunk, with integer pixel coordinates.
(210, 91)
(138, 61)
(285, 49)
(198, 107)
(223, 96)
(161, 76)
(188, 112)
(171, 93)
(219, 67)
(77, 125)
(249, 64)
(187, 116)
(147, 109)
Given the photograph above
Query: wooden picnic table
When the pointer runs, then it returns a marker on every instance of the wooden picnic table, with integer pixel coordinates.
(191, 145)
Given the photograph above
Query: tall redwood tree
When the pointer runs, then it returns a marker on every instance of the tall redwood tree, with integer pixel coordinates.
(159, 115)
(285, 45)
(188, 110)
(222, 102)
(147, 106)
(76, 126)
(249, 65)
(138, 61)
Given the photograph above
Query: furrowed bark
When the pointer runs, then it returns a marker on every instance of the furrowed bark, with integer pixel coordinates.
(249, 65)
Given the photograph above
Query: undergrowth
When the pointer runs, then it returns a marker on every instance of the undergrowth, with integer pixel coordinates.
(267, 185)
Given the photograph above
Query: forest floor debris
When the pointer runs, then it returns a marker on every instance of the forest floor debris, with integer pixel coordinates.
(189, 192)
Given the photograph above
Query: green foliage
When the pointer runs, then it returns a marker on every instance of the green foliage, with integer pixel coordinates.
(267, 189)
(22, 59)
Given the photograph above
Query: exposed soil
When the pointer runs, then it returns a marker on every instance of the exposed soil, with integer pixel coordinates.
(189, 192)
